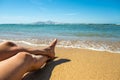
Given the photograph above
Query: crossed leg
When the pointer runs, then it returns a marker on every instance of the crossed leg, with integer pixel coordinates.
(17, 61)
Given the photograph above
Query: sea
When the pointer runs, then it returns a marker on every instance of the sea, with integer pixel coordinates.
(100, 37)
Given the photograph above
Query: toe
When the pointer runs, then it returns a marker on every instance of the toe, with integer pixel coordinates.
(53, 43)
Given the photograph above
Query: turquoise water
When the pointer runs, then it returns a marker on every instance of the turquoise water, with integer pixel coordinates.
(91, 36)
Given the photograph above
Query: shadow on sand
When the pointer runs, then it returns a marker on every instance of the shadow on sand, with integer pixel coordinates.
(45, 72)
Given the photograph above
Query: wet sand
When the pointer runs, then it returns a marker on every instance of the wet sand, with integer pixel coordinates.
(80, 64)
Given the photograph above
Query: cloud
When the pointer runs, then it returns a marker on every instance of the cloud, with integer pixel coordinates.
(11, 17)
(50, 0)
(17, 19)
(71, 14)
(42, 5)
(36, 2)
(39, 4)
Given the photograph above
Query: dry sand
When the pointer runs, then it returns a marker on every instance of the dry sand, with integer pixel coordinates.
(80, 64)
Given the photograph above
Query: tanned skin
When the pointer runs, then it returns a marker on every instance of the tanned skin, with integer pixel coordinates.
(15, 60)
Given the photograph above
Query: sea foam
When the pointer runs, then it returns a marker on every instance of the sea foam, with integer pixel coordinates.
(113, 47)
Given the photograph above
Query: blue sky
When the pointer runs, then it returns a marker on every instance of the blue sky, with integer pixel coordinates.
(67, 11)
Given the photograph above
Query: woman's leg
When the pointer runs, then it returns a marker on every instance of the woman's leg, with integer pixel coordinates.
(9, 49)
(15, 67)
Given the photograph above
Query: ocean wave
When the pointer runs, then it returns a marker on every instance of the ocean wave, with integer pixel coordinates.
(108, 46)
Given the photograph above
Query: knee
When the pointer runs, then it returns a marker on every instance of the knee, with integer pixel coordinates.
(11, 44)
(25, 56)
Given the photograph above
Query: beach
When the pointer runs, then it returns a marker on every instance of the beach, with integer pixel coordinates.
(84, 51)
(87, 33)
(80, 64)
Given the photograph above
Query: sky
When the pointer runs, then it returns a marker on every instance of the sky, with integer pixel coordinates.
(64, 11)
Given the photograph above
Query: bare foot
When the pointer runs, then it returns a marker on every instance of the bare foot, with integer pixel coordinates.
(50, 50)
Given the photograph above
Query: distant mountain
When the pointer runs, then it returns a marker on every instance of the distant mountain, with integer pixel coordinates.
(46, 22)
(52, 22)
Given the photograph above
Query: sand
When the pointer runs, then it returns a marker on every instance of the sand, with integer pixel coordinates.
(80, 64)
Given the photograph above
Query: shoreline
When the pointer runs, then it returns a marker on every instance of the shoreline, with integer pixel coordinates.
(101, 49)
(112, 47)
(91, 49)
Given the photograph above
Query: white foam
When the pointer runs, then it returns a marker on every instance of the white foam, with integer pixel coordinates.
(69, 44)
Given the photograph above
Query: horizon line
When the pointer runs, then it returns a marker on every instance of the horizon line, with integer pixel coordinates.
(63, 23)
(54, 22)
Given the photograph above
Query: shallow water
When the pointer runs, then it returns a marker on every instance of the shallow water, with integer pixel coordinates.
(103, 37)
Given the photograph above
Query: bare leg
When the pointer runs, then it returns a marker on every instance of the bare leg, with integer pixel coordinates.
(15, 67)
(9, 49)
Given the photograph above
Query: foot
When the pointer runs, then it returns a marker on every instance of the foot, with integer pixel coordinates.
(50, 50)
